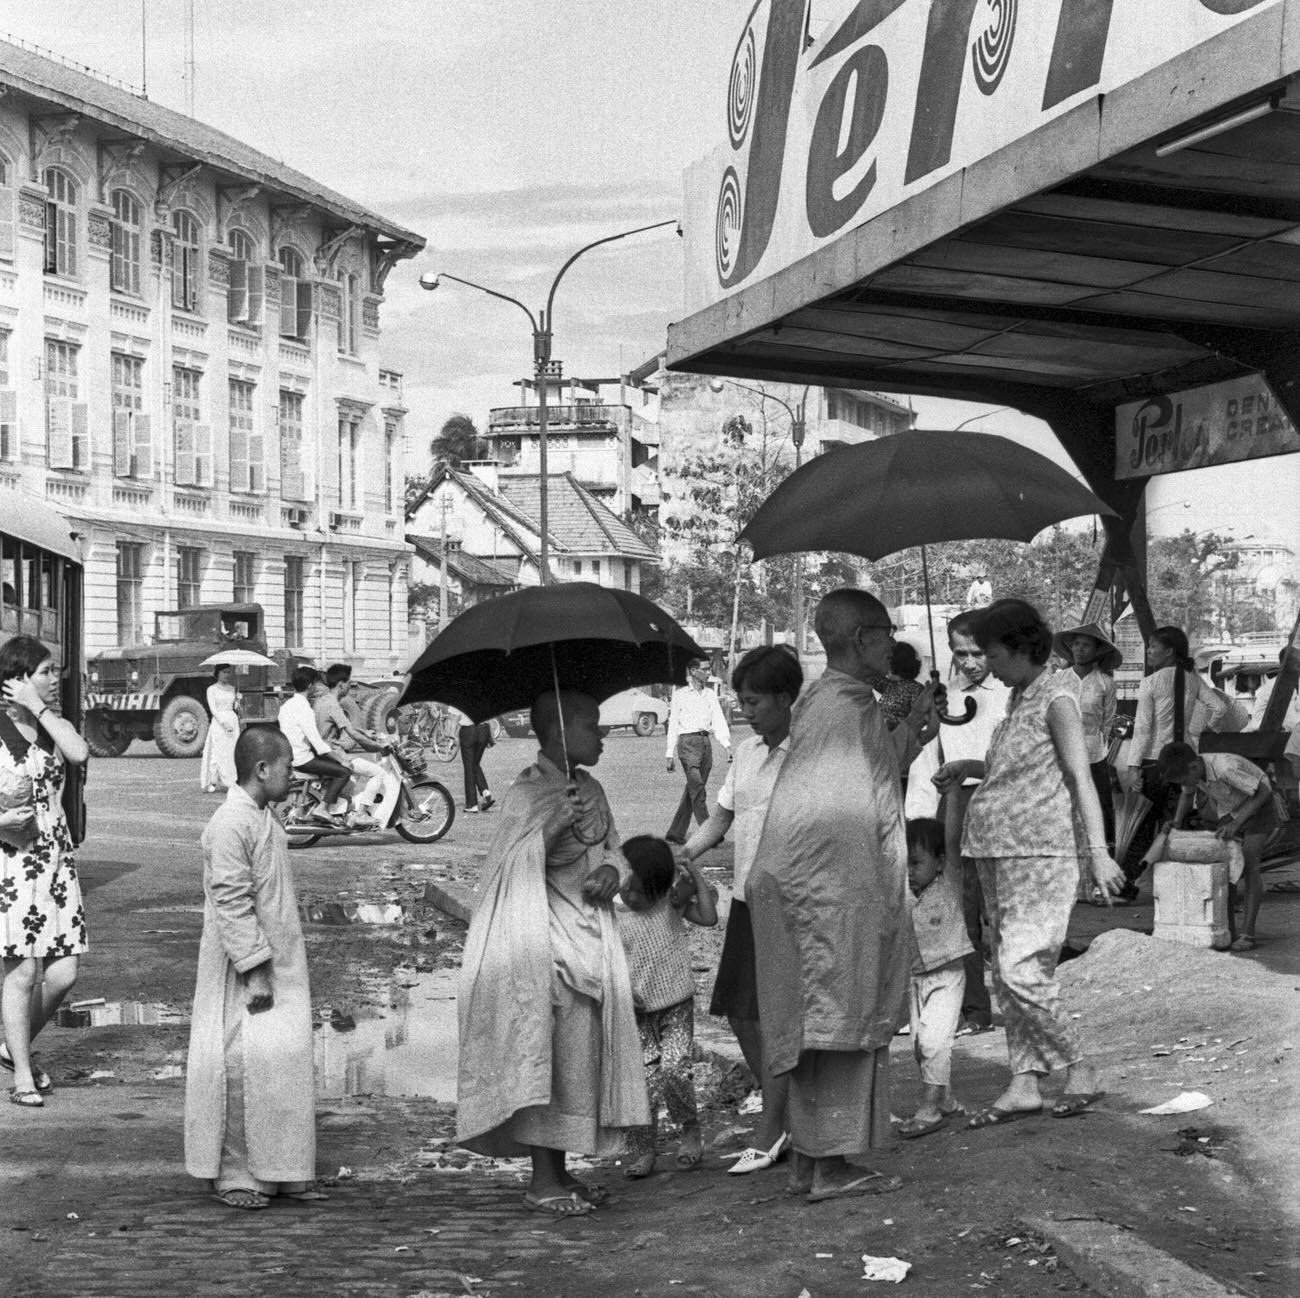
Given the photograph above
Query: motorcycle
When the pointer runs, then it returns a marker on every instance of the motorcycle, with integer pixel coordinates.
(422, 812)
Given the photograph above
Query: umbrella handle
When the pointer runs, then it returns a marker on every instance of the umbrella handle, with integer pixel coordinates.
(559, 711)
(971, 707)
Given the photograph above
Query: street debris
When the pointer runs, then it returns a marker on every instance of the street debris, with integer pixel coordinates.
(752, 1103)
(1185, 1102)
(892, 1270)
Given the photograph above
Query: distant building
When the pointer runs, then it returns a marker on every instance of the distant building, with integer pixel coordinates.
(602, 431)
(490, 519)
(1263, 587)
(190, 369)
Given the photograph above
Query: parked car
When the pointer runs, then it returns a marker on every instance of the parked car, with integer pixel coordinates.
(635, 708)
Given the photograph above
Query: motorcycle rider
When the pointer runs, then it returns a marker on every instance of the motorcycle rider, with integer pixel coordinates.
(347, 741)
(311, 754)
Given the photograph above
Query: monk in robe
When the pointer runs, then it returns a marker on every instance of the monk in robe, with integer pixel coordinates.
(550, 1057)
(827, 896)
(250, 1112)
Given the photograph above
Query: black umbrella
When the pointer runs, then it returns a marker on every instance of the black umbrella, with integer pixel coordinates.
(502, 654)
(913, 489)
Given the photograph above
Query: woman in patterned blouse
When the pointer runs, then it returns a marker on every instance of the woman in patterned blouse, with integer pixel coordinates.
(1021, 831)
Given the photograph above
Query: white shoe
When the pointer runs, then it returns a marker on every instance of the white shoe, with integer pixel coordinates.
(758, 1160)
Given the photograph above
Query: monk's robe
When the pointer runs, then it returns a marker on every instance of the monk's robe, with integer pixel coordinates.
(549, 1049)
(250, 1111)
(827, 897)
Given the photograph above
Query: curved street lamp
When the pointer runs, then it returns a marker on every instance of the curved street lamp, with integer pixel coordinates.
(544, 368)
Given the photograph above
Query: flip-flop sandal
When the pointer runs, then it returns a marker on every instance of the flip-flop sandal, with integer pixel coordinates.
(40, 1078)
(312, 1194)
(559, 1205)
(1071, 1106)
(913, 1130)
(26, 1099)
(873, 1183)
(1244, 943)
(994, 1117)
(594, 1194)
(688, 1159)
(244, 1200)
(1287, 885)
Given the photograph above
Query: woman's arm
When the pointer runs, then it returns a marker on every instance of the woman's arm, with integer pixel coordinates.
(1066, 729)
(709, 834)
(1143, 726)
(1184, 806)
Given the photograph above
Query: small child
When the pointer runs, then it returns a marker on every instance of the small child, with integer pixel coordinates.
(663, 989)
(1238, 797)
(938, 973)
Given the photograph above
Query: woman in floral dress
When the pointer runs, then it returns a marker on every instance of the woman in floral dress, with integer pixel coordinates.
(1023, 828)
(42, 923)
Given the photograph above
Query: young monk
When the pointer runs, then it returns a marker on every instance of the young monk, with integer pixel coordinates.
(250, 1117)
(550, 1057)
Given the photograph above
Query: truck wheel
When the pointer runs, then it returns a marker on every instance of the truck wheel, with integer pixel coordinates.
(106, 735)
(379, 711)
(181, 728)
(645, 723)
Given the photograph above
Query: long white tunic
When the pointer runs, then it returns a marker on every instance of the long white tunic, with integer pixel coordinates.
(251, 916)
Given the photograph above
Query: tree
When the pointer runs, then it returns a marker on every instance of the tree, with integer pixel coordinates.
(1183, 573)
(458, 440)
(416, 485)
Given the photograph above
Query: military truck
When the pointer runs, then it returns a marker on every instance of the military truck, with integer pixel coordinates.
(158, 690)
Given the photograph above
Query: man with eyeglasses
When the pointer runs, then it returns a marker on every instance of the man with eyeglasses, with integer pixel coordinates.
(827, 895)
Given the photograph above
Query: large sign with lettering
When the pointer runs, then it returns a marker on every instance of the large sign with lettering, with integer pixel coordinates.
(1218, 424)
(893, 96)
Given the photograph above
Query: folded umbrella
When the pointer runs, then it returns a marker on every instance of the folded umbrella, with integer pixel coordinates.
(503, 653)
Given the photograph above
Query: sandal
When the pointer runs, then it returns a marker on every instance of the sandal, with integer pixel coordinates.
(1246, 942)
(559, 1205)
(594, 1194)
(40, 1078)
(872, 1183)
(690, 1154)
(245, 1200)
(1071, 1106)
(995, 1117)
(914, 1130)
(641, 1168)
(26, 1099)
(312, 1194)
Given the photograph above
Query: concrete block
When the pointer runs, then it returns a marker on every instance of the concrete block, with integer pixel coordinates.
(1191, 903)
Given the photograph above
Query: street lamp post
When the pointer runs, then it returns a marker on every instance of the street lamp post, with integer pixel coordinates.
(544, 368)
(798, 430)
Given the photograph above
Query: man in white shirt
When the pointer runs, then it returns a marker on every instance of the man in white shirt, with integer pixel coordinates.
(970, 680)
(311, 754)
(979, 594)
(348, 742)
(694, 718)
(1290, 718)
(767, 682)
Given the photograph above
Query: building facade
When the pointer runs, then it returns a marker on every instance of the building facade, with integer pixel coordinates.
(190, 372)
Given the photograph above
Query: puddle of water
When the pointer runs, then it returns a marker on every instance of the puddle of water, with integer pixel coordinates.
(337, 912)
(410, 1051)
(106, 1014)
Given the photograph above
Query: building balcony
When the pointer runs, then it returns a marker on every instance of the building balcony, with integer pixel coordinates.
(583, 415)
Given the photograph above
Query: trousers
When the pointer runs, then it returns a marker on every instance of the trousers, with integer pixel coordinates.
(695, 754)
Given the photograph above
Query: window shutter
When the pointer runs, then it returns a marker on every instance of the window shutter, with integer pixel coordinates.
(123, 443)
(6, 223)
(203, 455)
(184, 453)
(238, 459)
(51, 239)
(143, 447)
(117, 258)
(288, 306)
(192, 260)
(304, 309)
(8, 424)
(178, 276)
(291, 475)
(256, 281)
(81, 434)
(58, 432)
(256, 462)
(237, 293)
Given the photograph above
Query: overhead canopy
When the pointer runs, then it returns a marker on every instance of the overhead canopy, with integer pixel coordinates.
(33, 520)
(1111, 209)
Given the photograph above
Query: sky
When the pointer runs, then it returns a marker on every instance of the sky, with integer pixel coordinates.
(509, 133)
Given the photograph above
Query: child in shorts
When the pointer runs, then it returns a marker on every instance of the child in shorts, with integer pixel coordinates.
(657, 903)
(938, 972)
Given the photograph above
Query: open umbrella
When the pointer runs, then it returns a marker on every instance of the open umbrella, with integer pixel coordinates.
(913, 489)
(238, 658)
(502, 654)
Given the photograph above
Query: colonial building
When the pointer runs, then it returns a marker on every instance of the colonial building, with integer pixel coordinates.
(491, 518)
(189, 369)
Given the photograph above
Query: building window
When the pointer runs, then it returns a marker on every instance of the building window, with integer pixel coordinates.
(293, 481)
(295, 584)
(66, 431)
(124, 263)
(7, 230)
(130, 592)
(295, 295)
(189, 576)
(246, 290)
(390, 450)
(185, 266)
(193, 440)
(245, 590)
(349, 313)
(247, 465)
(349, 443)
(595, 570)
(60, 223)
(8, 406)
(577, 567)
(132, 446)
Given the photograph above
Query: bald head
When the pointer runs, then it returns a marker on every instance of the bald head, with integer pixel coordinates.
(259, 744)
(841, 613)
(546, 714)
